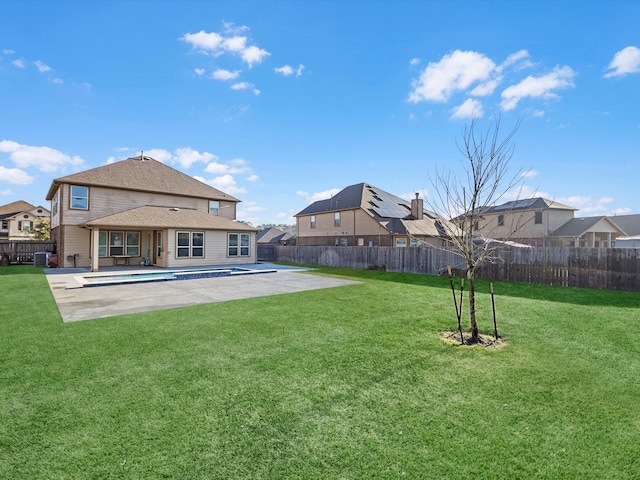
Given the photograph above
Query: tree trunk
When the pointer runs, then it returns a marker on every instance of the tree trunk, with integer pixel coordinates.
(472, 305)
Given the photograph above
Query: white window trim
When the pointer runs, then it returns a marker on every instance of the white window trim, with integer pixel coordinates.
(71, 197)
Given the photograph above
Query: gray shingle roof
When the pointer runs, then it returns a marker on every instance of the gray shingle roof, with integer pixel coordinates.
(577, 226)
(142, 174)
(538, 203)
(373, 200)
(168, 217)
(629, 223)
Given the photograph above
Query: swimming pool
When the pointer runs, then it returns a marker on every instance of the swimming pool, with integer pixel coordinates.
(106, 279)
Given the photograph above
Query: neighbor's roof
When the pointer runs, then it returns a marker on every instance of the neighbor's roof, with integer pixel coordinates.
(538, 203)
(142, 174)
(273, 235)
(168, 217)
(578, 226)
(373, 200)
(629, 223)
(16, 207)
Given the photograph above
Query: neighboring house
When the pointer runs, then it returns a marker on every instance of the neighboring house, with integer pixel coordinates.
(598, 232)
(529, 221)
(18, 219)
(362, 214)
(141, 211)
(629, 223)
(275, 236)
(628, 242)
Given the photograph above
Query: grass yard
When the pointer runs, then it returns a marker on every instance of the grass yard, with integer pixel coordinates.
(346, 383)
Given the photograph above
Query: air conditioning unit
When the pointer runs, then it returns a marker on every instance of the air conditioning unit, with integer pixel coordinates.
(41, 259)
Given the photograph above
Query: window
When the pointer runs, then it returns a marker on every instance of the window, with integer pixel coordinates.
(401, 242)
(501, 220)
(538, 218)
(313, 221)
(189, 244)
(133, 244)
(79, 197)
(5, 224)
(119, 243)
(343, 242)
(102, 243)
(239, 244)
(159, 244)
(336, 219)
(197, 244)
(116, 243)
(476, 226)
(214, 207)
(25, 225)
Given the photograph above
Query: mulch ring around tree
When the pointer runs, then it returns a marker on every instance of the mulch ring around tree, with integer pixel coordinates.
(453, 338)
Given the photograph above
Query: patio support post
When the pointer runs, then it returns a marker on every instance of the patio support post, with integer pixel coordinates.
(95, 246)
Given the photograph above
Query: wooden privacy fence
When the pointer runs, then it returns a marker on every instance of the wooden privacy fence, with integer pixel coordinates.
(601, 268)
(21, 251)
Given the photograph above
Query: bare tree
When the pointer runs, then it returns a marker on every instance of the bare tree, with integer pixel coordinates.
(462, 198)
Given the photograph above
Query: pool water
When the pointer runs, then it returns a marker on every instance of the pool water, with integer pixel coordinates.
(105, 279)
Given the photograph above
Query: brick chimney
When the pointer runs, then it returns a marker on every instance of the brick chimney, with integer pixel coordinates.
(417, 207)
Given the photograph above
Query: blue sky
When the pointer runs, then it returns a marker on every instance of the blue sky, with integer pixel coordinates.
(281, 103)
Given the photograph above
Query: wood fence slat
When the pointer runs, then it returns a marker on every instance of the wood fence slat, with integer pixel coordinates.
(597, 268)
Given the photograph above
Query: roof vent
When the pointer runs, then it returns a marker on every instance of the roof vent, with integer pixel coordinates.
(174, 209)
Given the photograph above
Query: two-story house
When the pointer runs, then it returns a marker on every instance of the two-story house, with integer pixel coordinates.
(529, 221)
(141, 211)
(362, 214)
(18, 219)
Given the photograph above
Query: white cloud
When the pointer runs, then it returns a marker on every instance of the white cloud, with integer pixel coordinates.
(15, 175)
(314, 197)
(6, 191)
(625, 61)
(159, 154)
(44, 158)
(285, 70)
(18, 63)
(209, 42)
(252, 178)
(543, 86)
(521, 57)
(454, 72)
(245, 86)
(199, 71)
(225, 183)
(186, 157)
(414, 61)
(486, 88)
(471, 108)
(529, 174)
(42, 67)
(253, 55)
(225, 169)
(8, 51)
(217, 44)
(222, 74)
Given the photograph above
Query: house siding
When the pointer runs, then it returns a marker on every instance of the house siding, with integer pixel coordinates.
(355, 226)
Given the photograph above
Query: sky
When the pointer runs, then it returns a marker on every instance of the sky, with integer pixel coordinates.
(282, 103)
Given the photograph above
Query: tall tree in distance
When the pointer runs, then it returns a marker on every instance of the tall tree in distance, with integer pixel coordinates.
(483, 181)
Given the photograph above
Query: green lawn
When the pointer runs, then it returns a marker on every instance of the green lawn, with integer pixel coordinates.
(345, 383)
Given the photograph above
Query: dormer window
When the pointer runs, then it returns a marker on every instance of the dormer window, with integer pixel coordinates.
(79, 197)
